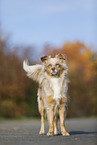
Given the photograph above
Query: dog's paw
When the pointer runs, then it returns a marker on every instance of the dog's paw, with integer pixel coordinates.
(56, 132)
(50, 134)
(65, 134)
(41, 132)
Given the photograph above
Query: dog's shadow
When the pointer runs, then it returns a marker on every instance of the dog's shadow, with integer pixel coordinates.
(81, 133)
(76, 133)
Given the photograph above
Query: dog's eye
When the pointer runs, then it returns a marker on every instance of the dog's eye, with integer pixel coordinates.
(49, 65)
(58, 65)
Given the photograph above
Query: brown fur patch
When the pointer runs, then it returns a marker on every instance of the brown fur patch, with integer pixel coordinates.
(63, 100)
(48, 70)
(61, 56)
(50, 100)
(43, 59)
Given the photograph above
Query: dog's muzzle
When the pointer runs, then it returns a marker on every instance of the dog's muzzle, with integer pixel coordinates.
(54, 72)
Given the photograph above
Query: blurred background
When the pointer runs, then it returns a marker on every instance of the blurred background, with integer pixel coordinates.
(31, 29)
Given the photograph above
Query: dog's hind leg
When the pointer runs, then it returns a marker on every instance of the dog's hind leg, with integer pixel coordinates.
(62, 124)
(41, 110)
(50, 120)
(42, 120)
(50, 114)
(55, 125)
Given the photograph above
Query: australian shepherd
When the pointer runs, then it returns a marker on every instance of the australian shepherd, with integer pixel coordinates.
(52, 91)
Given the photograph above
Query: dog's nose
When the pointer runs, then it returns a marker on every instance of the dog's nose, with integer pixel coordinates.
(53, 68)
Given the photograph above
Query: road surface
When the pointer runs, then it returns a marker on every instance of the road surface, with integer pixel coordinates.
(25, 132)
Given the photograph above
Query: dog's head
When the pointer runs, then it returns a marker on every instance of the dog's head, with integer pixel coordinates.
(54, 67)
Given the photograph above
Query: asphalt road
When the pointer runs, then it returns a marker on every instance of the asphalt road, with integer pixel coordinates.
(25, 132)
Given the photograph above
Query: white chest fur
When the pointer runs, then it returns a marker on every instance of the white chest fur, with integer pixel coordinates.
(56, 84)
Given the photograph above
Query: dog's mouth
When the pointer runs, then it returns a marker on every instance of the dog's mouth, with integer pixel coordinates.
(55, 73)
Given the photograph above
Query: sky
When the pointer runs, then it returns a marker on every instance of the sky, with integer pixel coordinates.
(54, 22)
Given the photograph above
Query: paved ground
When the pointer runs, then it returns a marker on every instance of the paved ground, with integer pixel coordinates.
(82, 132)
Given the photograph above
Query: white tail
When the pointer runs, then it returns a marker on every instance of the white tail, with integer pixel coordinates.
(34, 71)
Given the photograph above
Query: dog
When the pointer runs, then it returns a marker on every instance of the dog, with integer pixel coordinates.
(52, 92)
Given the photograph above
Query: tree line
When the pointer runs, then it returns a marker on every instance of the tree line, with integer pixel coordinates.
(18, 94)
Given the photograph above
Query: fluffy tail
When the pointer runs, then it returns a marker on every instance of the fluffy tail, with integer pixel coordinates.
(34, 72)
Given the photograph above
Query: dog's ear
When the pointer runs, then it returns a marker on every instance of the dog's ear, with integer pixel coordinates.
(62, 57)
(45, 58)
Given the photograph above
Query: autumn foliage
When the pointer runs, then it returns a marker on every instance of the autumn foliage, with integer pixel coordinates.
(18, 94)
(82, 63)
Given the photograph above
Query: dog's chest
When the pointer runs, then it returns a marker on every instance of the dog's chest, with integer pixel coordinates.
(56, 85)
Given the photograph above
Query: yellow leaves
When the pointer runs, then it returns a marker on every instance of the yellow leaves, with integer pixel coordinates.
(82, 64)
(79, 58)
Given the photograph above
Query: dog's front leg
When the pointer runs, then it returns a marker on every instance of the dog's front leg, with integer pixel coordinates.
(50, 120)
(55, 125)
(62, 124)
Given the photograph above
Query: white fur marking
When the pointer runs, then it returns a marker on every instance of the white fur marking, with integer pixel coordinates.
(56, 85)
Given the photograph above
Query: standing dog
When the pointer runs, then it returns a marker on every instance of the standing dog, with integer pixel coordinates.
(52, 92)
